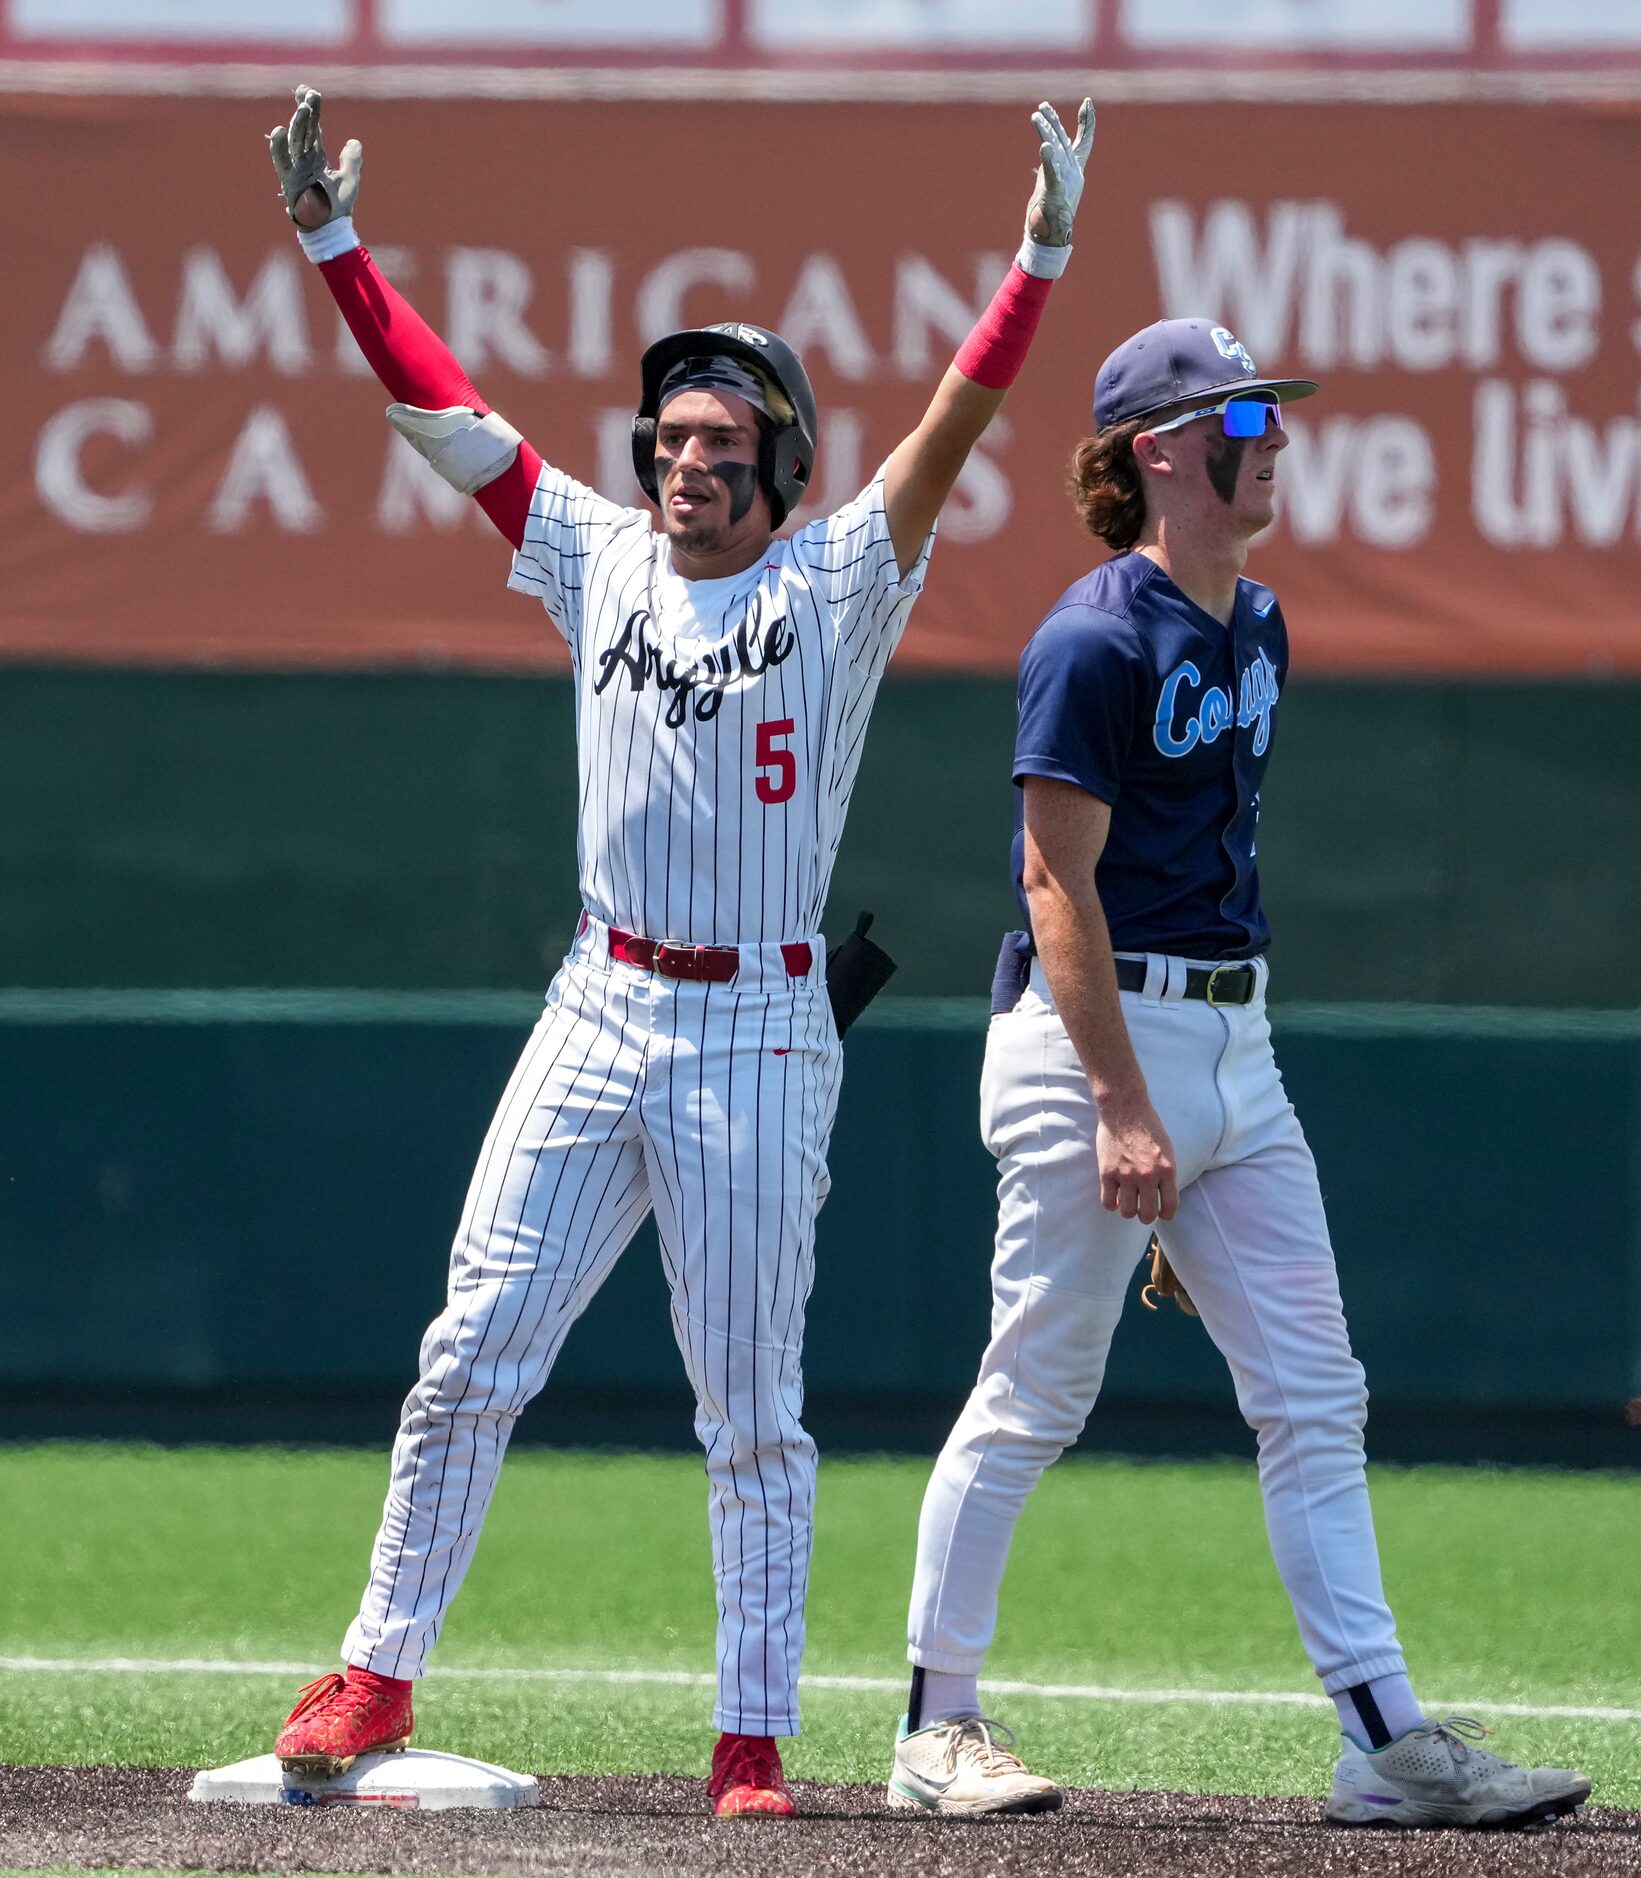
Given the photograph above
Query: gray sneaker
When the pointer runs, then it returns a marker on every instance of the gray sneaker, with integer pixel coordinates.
(957, 1767)
(1437, 1776)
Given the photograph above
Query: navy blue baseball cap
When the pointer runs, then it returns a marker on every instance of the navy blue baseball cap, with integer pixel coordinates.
(1176, 361)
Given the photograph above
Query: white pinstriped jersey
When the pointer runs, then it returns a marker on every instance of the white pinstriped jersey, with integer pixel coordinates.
(719, 723)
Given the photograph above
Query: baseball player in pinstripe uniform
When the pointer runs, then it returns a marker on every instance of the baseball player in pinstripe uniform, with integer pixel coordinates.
(1130, 1088)
(687, 1059)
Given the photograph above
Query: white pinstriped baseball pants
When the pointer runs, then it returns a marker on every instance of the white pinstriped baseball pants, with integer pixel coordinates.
(1250, 1242)
(714, 1104)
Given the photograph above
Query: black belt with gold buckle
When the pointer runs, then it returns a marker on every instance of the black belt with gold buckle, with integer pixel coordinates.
(1220, 984)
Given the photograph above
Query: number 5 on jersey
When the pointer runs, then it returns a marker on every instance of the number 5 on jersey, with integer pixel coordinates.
(777, 775)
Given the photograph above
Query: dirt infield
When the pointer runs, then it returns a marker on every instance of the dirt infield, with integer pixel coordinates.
(140, 1816)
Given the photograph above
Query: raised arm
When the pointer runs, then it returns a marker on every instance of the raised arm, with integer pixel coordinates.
(436, 407)
(923, 468)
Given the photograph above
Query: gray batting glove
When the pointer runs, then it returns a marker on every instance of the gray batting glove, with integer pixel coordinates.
(1053, 204)
(300, 163)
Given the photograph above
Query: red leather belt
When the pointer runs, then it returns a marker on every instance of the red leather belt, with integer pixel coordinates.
(712, 965)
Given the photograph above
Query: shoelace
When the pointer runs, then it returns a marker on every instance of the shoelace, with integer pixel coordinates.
(977, 1735)
(311, 1694)
(1463, 1734)
(350, 1698)
(1463, 1730)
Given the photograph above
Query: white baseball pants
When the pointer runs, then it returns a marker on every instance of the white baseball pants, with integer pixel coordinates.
(1250, 1243)
(713, 1103)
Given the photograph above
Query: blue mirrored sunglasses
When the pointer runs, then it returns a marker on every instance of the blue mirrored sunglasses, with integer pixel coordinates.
(1243, 416)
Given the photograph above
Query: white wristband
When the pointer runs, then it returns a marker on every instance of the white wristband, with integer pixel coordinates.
(1036, 257)
(325, 244)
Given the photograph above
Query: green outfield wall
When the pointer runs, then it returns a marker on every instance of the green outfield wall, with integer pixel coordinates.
(238, 1202)
(243, 1202)
(1444, 843)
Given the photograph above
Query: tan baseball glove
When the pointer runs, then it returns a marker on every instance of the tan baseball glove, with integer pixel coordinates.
(1164, 1283)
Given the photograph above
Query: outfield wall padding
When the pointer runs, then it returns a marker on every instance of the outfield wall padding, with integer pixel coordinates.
(256, 1191)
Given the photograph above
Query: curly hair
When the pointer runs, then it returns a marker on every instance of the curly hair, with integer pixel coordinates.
(1105, 485)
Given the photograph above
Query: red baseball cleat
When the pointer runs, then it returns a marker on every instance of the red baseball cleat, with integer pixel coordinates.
(747, 1778)
(338, 1718)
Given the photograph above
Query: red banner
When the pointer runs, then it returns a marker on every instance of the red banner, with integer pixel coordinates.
(194, 469)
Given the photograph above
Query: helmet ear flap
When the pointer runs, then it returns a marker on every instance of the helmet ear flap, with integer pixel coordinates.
(766, 471)
(643, 455)
(791, 476)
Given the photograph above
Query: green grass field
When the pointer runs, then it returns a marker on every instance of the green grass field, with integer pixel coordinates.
(1510, 1588)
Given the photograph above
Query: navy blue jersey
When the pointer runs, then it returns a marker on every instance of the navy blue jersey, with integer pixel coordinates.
(1132, 692)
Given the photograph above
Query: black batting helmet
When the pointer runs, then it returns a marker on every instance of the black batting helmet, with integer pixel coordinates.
(786, 455)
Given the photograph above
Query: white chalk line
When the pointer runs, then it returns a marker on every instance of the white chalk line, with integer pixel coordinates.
(851, 1685)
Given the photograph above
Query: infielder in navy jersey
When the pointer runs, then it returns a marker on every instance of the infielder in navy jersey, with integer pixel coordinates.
(688, 1060)
(1130, 1089)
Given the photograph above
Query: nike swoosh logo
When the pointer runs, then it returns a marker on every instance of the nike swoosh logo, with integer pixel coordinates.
(1261, 611)
(785, 1052)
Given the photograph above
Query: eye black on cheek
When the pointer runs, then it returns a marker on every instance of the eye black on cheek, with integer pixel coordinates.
(741, 480)
(1223, 462)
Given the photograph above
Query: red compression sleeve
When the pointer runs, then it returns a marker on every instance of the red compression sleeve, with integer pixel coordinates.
(506, 501)
(412, 361)
(417, 367)
(994, 352)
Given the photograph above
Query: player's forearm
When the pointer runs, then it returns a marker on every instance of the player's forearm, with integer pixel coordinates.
(925, 468)
(1074, 944)
(416, 367)
(992, 356)
(413, 363)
